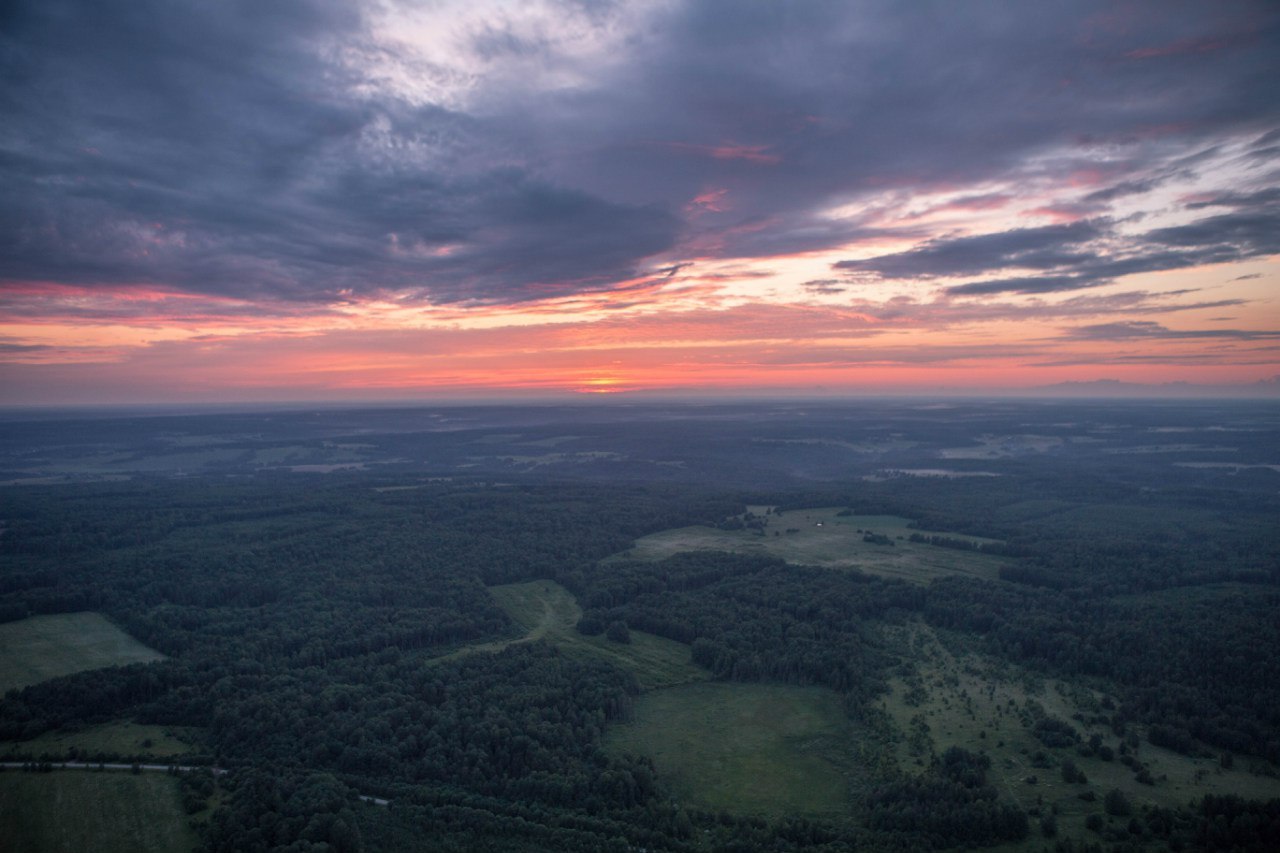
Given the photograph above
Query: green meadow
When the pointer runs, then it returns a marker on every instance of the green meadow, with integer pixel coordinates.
(70, 811)
(824, 537)
(544, 610)
(43, 647)
(548, 611)
(745, 748)
(956, 697)
(121, 737)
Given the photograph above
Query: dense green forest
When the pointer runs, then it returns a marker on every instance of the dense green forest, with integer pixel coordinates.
(317, 629)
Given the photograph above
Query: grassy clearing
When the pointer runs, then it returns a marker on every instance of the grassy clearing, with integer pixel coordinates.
(822, 537)
(76, 810)
(116, 738)
(966, 700)
(746, 748)
(548, 611)
(43, 647)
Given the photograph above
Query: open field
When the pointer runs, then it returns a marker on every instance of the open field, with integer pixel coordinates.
(77, 810)
(746, 748)
(116, 738)
(822, 537)
(43, 647)
(548, 611)
(970, 701)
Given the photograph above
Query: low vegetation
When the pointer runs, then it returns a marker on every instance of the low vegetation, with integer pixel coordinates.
(947, 696)
(548, 611)
(747, 748)
(43, 647)
(106, 812)
(831, 537)
(120, 739)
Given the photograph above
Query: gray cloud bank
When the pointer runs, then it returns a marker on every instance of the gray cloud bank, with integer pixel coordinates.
(1088, 253)
(249, 149)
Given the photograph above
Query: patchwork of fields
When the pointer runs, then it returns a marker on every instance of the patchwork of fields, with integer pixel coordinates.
(754, 749)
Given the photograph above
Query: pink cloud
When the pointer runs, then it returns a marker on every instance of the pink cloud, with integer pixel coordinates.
(710, 200)
(1183, 47)
(1063, 215)
(758, 154)
(752, 153)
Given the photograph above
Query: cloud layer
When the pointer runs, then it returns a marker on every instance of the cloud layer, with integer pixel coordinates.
(198, 166)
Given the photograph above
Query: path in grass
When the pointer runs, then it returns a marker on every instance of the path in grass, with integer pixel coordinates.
(747, 748)
(823, 537)
(43, 647)
(547, 611)
(103, 812)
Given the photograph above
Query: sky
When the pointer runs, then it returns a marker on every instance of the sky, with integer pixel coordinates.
(301, 200)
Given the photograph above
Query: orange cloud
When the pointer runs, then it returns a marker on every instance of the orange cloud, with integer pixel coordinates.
(887, 347)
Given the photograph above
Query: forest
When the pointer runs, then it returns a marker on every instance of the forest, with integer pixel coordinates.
(329, 636)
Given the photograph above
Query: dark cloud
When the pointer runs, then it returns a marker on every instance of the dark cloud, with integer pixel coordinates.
(215, 148)
(825, 286)
(250, 149)
(855, 98)
(1122, 189)
(1088, 253)
(1266, 197)
(1025, 284)
(1148, 330)
(1048, 247)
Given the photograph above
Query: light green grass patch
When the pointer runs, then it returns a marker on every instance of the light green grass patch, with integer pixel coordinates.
(43, 647)
(979, 704)
(122, 737)
(746, 748)
(547, 611)
(823, 537)
(80, 810)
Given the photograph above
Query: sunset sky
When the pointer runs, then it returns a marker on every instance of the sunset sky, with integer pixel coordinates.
(275, 201)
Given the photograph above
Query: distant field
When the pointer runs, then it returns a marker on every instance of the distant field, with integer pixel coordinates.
(117, 738)
(548, 611)
(43, 647)
(746, 748)
(822, 537)
(79, 810)
(980, 705)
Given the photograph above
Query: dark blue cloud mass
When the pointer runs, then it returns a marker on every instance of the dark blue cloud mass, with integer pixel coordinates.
(265, 151)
